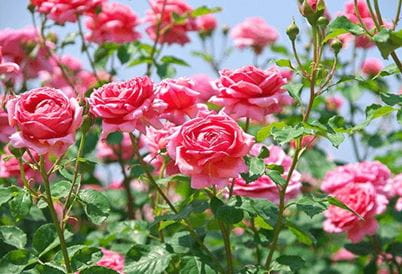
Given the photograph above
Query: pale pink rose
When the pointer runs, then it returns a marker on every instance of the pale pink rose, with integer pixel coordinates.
(394, 187)
(343, 255)
(254, 32)
(124, 106)
(206, 23)
(18, 46)
(7, 67)
(210, 149)
(171, 32)
(155, 141)
(264, 187)
(334, 103)
(116, 23)
(178, 99)
(205, 86)
(287, 74)
(251, 92)
(112, 260)
(109, 152)
(362, 199)
(46, 120)
(372, 66)
(62, 11)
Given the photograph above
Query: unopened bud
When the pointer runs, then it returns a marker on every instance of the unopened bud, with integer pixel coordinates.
(323, 21)
(292, 31)
(225, 30)
(336, 45)
(312, 10)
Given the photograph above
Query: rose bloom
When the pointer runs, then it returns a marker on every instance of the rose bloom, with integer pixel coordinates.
(5, 129)
(362, 199)
(333, 103)
(155, 142)
(108, 152)
(254, 32)
(206, 23)
(394, 187)
(178, 99)
(170, 31)
(210, 149)
(62, 11)
(7, 67)
(205, 86)
(17, 44)
(111, 260)
(372, 66)
(251, 92)
(343, 255)
(124, 106)
(46, 120)
(264, 187)
(115, 23)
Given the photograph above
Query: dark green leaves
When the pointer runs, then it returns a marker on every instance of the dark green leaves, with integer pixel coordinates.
(294, 91)
(13, 235)
(194, 265)
(294, 262)
(276, 177)
(115, 138)
(342, 25)
(7, 193)
(20, 204)
(256, 168)
(310, 206)
(388, 41)
(287, 134)
(60, 189)
(362, 248)
(84, 257)
(44, 237)
(98, 270)
(154, 262)
(15, 261)
(96, 206)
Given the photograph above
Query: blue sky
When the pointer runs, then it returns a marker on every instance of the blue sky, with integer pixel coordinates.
(13, 13)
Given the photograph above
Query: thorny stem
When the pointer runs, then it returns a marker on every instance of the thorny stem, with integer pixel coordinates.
(84, 47)
(24, 179)
(186, 224)
(154, 46)
(298, 59)
(53, 214)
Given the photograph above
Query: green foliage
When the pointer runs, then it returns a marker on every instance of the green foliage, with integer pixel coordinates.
(96, 205)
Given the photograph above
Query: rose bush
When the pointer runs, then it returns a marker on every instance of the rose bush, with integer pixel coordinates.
(143, 140)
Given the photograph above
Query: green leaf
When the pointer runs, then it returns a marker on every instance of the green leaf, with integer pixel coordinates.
(266, 131)
(85, 257)
(123, 54)
(388, 41)
(294, 91)
(13, 235)
(264, 153)
(174, 60)
(203, 10)
(294, 262)
(96, 205)
(114, 138)
(15, 261)
(343, 25)
(387, 71)
(140, 60)
(284, 63)
(6, 193)
(395, 249)
(276, 177)
(60, 189)
(196, 206)
(256, 168)
(361, 248)
(265, 209)
(391, 99)
(302, 235)
(287, 134)
(335, 202)
(229, 214)
(311, 207)
(43, 237)
(194, 265)
(165, 70)
(154, 262)
(47, 269)
(20, 204)
(98, 270)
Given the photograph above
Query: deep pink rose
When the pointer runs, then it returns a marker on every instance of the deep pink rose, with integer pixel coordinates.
(46, 120)
(372, 66)
(254, 32)
(210, 149)
(334, 103)
(112, 260)
(206, 23)
(110, 152)
(362, 199)
(124, 106)
(116, 23)
(394, 189)
(62, 11)
(155, 142)
(264, 187)
(171, 32)
(205, 86)
(178, 99)
(18, 46)
(251, 92)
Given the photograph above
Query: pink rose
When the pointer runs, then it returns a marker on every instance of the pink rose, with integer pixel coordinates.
(372, 66)
(112, 260)
(155, 141)
(171, 32)
(394, 187)
(362, 199)
(333, 103)
(62, 11)
(5, 129)
(205, 86)
(46, 120)
(110, 152)
(124, 106)
(343, 255)
(178, 99)
(251, 92)
(17, 45)
(206, 23)
(264, 187)
(210, 149)
(7, 67)
(115, 23)
(254, 32)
